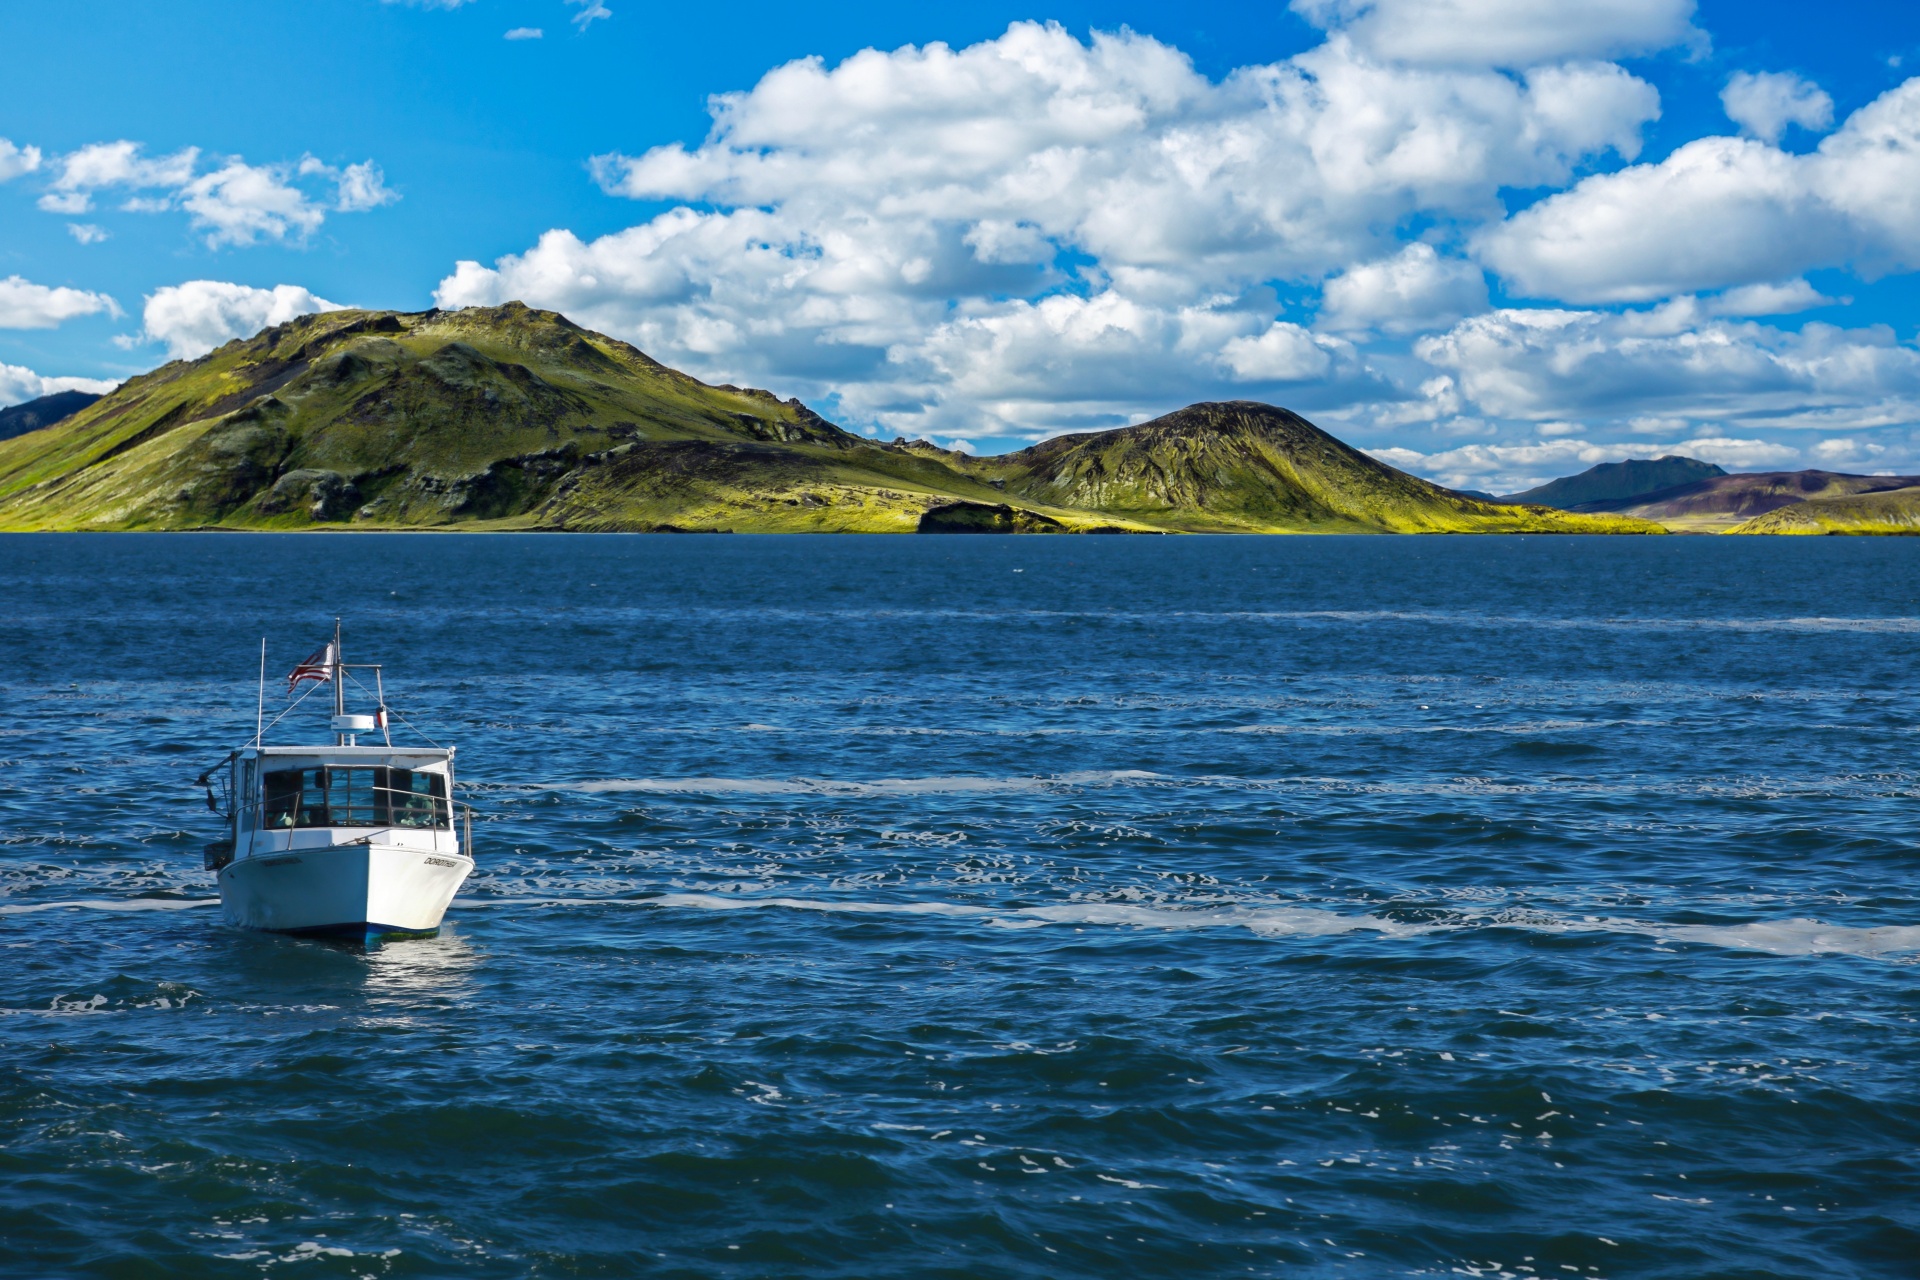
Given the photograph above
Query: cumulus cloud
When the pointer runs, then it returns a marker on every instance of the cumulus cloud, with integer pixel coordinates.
(15, 161)
(113, 164)
(526, 33)
(242, 204)
(358, 187)
(19, 384)
(1511, 468)
(1722, 212)
(86, 232)
(1763, 104)
(1777, 298)
(194, 318)
(234, 203)
(1675, 360)
(1415, 289)
(25, 305)
(1505, 33)
(880, 228)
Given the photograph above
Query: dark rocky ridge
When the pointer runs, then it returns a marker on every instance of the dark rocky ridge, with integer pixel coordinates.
(34, 414)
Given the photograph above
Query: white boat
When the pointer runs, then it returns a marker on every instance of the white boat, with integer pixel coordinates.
(340, 839)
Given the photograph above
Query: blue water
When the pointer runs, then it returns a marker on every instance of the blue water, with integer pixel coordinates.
(877, 907)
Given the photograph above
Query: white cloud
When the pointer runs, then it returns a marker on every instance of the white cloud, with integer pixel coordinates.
(25, 305)
(429, 4)
(1763, 104)
(1511, 468)
(360, 187)
(525, 33)
(113, 164)
(1505, 33)
(878, 228)
(1415, 289)
(1774, 299)
(1739, 455)
(15, 161)
(590, 12)
(195, 317)
(1675, 360)
(1283, 353)
(19, 384)
(1722, 212)
(86, 232)
(242, 204)
(1843, 451)
(234, 203)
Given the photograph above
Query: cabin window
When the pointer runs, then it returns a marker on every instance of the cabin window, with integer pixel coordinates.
(355, 797)
(415, 799)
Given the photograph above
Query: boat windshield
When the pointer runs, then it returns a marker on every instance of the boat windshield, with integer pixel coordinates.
(337, 796)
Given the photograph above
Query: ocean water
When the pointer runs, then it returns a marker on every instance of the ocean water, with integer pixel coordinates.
(877, 907)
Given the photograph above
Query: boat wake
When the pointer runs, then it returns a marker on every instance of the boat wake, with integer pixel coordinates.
(1790, 937)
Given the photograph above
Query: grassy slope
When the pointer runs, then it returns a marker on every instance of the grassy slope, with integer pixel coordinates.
(1895, 511)
(1239, 466)
(507, 417)
(496, 417)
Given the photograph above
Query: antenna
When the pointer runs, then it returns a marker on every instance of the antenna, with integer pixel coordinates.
(339, 684)
(260, 703)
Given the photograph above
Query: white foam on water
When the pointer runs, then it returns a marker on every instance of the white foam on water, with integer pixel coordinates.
(1797, 937)
(1792, 937)
(1270, 922)
(104, 904)
(954, 785)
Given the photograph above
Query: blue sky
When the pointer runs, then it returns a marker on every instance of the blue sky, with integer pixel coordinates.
(1485, 239)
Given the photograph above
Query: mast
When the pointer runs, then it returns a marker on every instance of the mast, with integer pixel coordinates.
(260, 700)
(339, 686)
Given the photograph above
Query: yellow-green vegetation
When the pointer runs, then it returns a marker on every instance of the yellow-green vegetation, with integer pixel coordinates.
(1895, 511)
(512, 418)
(1242, 467)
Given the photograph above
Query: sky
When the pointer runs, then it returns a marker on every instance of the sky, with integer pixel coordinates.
(1488, 241)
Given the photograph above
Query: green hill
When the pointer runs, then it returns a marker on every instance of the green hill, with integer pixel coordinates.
(1239, 466)
(1894, 511)
(1611, 486)
(511, 418)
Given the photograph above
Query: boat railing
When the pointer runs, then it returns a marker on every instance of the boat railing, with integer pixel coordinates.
(447, 816)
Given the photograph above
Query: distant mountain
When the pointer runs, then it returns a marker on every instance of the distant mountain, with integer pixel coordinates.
(1721, 502)
(1883, 511)
(511, 418)
(1613, 485)
(44, 412)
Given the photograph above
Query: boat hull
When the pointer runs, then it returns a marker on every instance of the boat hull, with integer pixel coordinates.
(347, 890)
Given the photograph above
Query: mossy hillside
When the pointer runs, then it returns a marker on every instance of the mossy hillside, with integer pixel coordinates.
(383, 418)
(749, 486)
(1240, 466)
(512, 418)
(1891, 512)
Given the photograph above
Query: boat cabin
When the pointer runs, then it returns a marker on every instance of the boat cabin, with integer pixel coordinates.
(287, 798)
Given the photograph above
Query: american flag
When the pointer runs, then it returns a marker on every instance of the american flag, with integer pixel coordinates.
(318, 668)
